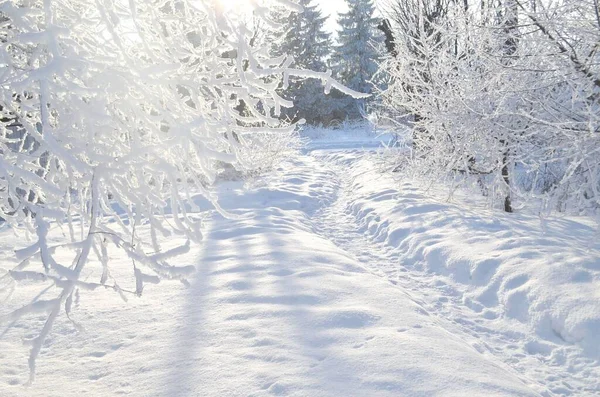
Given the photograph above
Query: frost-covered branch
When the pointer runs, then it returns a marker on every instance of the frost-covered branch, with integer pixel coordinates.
(510, 89)
(113, 116)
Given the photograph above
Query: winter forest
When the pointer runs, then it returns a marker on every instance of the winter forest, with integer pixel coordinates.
(299, 198)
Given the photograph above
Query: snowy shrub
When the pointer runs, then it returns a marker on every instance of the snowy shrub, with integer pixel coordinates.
(113, 115)
(262, 151)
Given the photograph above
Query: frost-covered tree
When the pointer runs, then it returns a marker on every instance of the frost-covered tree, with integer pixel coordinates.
(125, 109)
(507, 95)
(305, 39)
(357, 52)
(411, 26)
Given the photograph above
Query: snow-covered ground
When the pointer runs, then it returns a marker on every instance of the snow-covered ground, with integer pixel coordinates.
(335, 280)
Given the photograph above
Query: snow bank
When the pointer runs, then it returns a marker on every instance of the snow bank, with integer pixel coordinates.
(347, 130)
(543, 275)
(350, 135)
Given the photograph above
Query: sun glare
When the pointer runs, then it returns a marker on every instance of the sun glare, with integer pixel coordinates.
(236, 5)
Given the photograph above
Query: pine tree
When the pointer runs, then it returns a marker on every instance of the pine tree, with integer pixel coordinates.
(304, 38)
(356, 53)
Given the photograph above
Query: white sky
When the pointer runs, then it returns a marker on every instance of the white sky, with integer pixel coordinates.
(331, 8)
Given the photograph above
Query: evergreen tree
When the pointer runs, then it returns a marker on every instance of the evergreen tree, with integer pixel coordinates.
(304, 38)
(356, 53)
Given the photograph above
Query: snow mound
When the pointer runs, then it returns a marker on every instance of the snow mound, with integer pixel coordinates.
(539, 277)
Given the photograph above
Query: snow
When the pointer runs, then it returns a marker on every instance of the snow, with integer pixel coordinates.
(523, 289)
(332, 279)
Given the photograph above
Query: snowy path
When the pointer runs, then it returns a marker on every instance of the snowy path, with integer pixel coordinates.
(293, 298)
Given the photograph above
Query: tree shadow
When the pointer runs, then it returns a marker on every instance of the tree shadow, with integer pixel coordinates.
(249, 308)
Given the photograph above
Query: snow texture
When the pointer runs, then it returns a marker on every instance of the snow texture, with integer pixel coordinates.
(331, 280)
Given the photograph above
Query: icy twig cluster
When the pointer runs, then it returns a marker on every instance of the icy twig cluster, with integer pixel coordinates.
(506, 92)
(114, 113)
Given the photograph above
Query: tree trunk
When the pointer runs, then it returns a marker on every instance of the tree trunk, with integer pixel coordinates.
(506, 177)
(511, 23)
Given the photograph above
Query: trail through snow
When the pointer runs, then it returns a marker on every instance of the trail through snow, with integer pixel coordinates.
(305, 293)
(502, 340)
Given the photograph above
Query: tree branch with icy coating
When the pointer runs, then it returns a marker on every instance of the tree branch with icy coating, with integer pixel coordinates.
(504, 92)
(113, 115)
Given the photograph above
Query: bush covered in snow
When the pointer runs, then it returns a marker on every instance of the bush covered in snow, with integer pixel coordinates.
(504, 92)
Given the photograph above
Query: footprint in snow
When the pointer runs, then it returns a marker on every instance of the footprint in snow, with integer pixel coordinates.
(349, 319)
(239, 285)
(535, 347)
(96, 354)
(281, 272)
(96, 376)
(359, 345)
